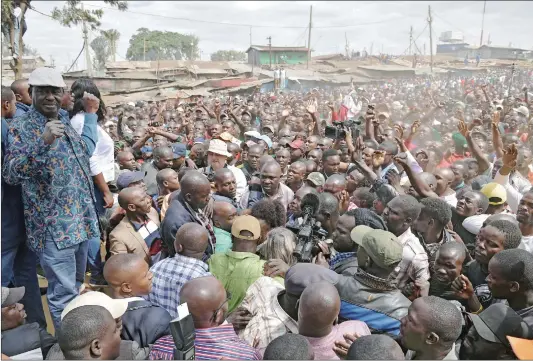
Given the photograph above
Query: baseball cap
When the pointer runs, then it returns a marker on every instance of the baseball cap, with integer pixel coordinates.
(267, 140)
(253, 134)
(10, 296)
(147, 149)
(116, 307)
(249, 143)
(296, 144)
(495, 192)
(269, 127)
(381, 246)
(523, 110)
(316, 178)
(301, 275)
(246, 223)
(499, 321)
(179, 150)
(46, 77)
(522, 348)
(126, 178)
(218, 146)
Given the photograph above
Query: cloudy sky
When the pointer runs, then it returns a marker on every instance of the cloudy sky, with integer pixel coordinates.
(381, 24)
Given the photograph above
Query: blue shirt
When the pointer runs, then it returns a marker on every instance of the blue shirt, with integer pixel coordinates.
(57, 189)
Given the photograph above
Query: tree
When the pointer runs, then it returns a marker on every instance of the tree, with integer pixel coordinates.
(151, 45)
(228, 55)
(72, 13)
(112, 37)
(101, 48)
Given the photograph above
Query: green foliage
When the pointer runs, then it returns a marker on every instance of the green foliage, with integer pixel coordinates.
(163, 45)
(228, 55)
(73, 14)
(102, 50)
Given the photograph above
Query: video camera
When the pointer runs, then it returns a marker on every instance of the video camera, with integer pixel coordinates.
(336, 131)
(309, 233)
(183, 334)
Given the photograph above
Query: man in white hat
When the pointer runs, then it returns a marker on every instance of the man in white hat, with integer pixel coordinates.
(217, 156)
(51, 162)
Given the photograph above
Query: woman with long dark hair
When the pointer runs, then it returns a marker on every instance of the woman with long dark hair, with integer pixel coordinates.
(102, 163)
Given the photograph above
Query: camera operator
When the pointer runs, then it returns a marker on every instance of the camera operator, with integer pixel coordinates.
(217, 156)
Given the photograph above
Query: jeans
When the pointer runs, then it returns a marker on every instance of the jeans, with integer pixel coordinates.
(65, 271)
(19, 267)
(94, 257)
(16, 35)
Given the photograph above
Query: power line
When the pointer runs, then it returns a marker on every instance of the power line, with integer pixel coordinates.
(38, 12)
(246, 25)
(414, 41)
(81, 51)
(447, 22)
(300, 36)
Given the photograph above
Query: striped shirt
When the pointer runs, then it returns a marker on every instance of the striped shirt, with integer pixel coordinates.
(210, 344)
(169, 277)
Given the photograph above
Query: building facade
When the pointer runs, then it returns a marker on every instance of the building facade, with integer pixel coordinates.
(262, 55)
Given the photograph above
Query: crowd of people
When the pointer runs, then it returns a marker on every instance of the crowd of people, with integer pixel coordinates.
(422, 236)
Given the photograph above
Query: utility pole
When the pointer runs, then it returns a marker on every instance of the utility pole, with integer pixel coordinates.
(270, 50)
(250, 36)
(144, 52)
(410, 39)
(347, 47)
(482, 23)
(309, 37)
(88, 63)
(430, 39)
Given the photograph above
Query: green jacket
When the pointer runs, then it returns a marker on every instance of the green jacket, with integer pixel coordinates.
(237, 271)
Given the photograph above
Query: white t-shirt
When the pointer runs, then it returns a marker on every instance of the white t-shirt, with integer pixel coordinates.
(103, 158)
(527, 244)
(451, 199)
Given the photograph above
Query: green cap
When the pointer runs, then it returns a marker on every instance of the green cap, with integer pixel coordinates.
(381, 246)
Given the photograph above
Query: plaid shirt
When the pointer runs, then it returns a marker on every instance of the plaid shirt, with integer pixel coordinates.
(169, 277)
(339, 257)
(210, 344)
(414, 265)
(269, 320)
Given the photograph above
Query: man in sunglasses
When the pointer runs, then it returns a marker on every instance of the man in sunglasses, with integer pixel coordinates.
(215, 339)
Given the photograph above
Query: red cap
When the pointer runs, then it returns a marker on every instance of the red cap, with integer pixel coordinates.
(296, 144)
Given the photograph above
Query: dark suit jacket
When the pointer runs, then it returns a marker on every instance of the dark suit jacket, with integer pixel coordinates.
(145, 323)
(177, 215)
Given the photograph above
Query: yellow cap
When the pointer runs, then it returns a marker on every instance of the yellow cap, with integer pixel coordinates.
(246, 223)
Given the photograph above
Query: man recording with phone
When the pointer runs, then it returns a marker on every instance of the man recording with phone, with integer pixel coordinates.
(51, 162)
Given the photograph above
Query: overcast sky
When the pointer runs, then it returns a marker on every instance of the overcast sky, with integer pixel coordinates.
(385, 24)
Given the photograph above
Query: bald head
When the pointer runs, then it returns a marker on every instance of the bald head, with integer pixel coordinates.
(205, 295)
(256, 148)
(429, 179)
(192, 181)
(265, 159)
(164, 175)
(222, 174)
(318, 310)
(121, 268)
(455, 250)
(271, 168)
(130, 195)
(191, 240)
(21, 89)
